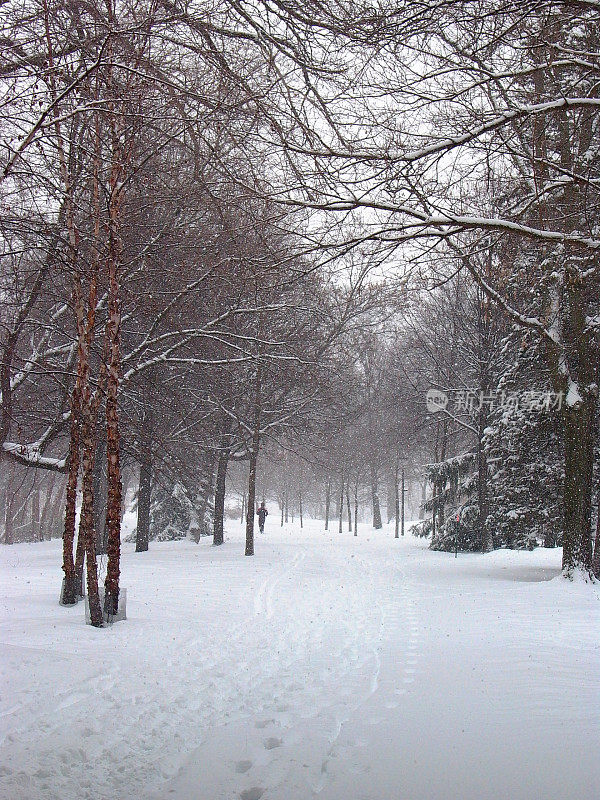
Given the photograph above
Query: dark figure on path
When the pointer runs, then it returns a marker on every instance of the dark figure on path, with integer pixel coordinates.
(262, 515)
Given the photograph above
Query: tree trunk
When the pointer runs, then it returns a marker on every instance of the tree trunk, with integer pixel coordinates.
(252, 470)
(3, 503)
(36, 526)
(87, 534)
(204, 494)
(144, 498)
(113, 473)
(402, 502)
(114, 488)
(243, 513)
(58, 512)
(8, 515)
(222, 464)
(100, 494)
(438, 487)
(579, 465)
(73, 569)
(485, 534)
(390, 497)
(300, 508)
(113, 501)
(251, 505)
(144, 494)
(356, 507)
(549, 536)
(126, 481)
(596, 558)
(71, 587)
(327, 502)
(47, 519)
(396, 505)
(348, 511)
(341, 507)
(377, 524)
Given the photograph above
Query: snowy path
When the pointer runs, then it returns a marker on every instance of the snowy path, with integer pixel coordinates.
(325, 666)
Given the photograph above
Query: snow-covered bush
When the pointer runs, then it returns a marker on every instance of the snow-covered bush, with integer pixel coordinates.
(173, 515)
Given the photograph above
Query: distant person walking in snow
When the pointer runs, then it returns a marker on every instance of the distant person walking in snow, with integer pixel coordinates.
(262, 515)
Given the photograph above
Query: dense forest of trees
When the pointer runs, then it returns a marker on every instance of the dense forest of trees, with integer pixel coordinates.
(241, 241)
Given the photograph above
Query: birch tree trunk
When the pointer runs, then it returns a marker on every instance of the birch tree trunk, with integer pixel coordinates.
(71, 586)
(113, 337)
(100, 494)
(87, 533)
(114, 488)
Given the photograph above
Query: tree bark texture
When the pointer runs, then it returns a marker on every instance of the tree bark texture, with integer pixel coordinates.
(396, 505)
(252, 469)
(222, 464)
(144, 496)
(402, 501)
(348, 509)
(596, 558)
(71, 588)
(87, 533)
(377, 524)
(113, 473)
(579, 466)
(100, 494)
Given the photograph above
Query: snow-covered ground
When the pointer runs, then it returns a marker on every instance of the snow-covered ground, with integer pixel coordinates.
(329, 666)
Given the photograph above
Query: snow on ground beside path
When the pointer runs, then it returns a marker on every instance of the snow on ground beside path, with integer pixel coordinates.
(326, 666)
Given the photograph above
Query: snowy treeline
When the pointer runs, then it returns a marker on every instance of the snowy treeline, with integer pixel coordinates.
(258, 233)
